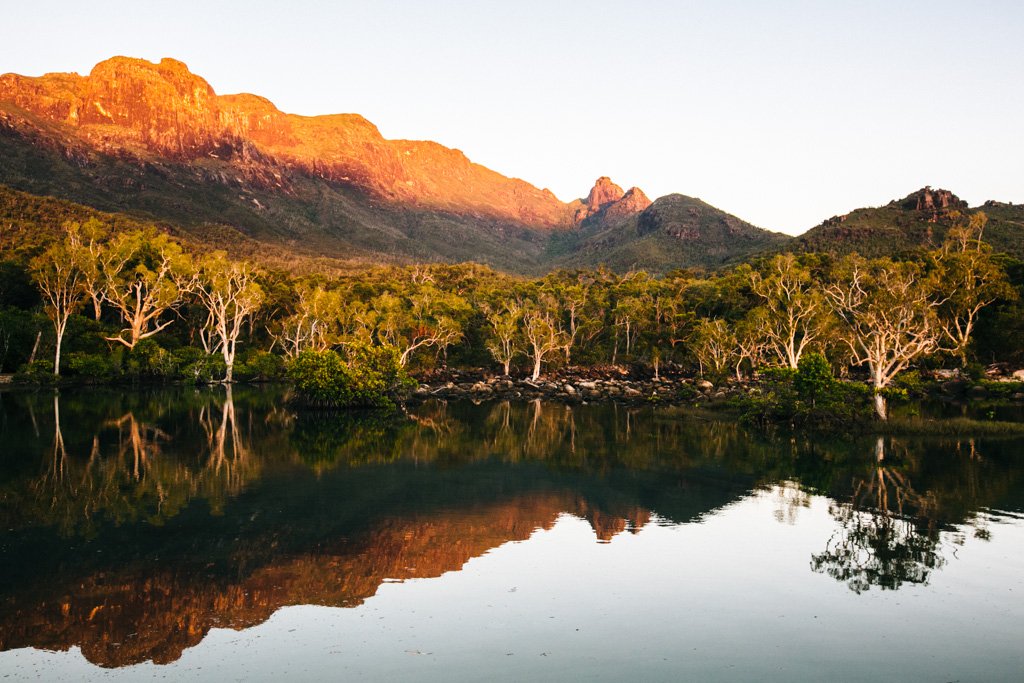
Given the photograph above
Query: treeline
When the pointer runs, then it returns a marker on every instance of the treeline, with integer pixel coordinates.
(137, 304)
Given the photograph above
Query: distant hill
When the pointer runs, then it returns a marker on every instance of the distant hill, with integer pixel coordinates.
(154, 142)
(918, 221)
(673, 232)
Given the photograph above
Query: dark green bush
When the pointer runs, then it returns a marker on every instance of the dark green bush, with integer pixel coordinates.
(372, 378)
(195, 365)
(149, 361)
(813, 378)
(259, 366)
(36, 372)
(809, 397)
(91, 367)
(18, 330)
(911, 384)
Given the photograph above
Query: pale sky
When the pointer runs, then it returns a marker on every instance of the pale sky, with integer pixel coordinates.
(783, 113)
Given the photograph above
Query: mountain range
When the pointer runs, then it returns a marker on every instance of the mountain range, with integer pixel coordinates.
(154, 142)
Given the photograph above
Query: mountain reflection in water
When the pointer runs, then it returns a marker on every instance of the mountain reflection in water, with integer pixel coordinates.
(133, 523)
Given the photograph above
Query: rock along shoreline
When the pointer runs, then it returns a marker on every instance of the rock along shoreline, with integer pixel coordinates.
(575, 385)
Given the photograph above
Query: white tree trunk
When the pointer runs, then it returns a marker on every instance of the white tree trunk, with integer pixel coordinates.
(881, 409)
(56, 355)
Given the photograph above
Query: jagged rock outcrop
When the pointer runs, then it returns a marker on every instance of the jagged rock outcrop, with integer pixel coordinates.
(608, 202)
(918, 221)
(674, 231)
(634, 201)
(603, 193)
(934, 203)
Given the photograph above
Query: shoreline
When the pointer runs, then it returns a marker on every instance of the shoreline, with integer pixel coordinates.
(584, 385)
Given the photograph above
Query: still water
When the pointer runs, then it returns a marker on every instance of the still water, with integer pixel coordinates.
(210, 535)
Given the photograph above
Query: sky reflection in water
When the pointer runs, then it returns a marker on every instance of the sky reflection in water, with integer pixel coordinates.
(191, 534)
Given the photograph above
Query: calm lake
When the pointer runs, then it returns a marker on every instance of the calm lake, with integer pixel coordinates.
(207, 535)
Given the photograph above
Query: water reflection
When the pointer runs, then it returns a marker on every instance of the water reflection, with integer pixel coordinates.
(136, 523)
(887, 535)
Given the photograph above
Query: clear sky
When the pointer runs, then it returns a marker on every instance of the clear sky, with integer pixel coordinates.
(781, 112)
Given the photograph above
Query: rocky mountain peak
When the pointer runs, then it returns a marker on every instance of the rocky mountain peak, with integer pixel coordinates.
(602, 194)
(608, 202)
(634, 201)
(933, 203)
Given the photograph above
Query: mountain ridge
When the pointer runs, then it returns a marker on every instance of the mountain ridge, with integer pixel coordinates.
(919, 220)
(164, 109)
(154, 141)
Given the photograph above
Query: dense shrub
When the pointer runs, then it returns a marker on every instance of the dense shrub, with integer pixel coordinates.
(371, 378)
(18, 330)
(808, 397)
(91, 367)
(148, 360)
(259, 366)
(36, 372)
(195, 365)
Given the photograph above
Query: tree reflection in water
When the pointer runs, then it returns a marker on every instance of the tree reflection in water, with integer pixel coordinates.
(321, 509)
(889, 533)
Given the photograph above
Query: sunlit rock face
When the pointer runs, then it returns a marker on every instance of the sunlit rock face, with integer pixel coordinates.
(134, 106)
(608, 202)
(933, 203)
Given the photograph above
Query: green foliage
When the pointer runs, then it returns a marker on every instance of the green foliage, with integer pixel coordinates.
(18, 330)
(911, 383)
(731, 322)
(371, 378)
(90, 367)
(36, 372)
(809, 397)
(895, 394)
(195, 365)
(16, 287)
(148, 360)
(1002, 390)
(813, 377)
(260, 366)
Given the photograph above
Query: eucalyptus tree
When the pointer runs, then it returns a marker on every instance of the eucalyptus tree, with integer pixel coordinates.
(662, 321)
(631, 309)
(313, 324)
(580, 310)
(505, 339)
(427, 317)
(968, 279)
(542, 333)
(91, 256)
(888, 317)
(714, 345)
(146, 274)
(751, 346)
(795, 313)
(61, 283)
(230, 294)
